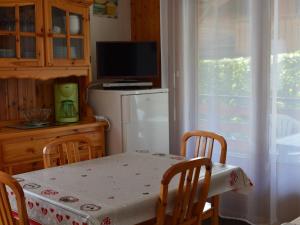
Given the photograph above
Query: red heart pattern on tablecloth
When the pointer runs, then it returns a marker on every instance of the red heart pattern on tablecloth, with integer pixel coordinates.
(30, 205)
(51, 210)
(106, 221)
(59, 218)
(233, 178)
(67, 217)
(49, 192)
(44, 211)
(37, 204)
(75, 223)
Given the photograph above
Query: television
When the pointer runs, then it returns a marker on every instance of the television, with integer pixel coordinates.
(126, 60)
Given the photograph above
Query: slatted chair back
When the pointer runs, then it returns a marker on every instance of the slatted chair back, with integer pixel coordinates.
(190, 199)
(66, 150)
(204, 145)
(6, 217)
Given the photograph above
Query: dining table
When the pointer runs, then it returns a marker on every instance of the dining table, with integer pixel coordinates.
(121, 189)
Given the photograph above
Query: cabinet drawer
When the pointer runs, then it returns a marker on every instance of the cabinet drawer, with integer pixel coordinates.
(23, 150)
(97, 138)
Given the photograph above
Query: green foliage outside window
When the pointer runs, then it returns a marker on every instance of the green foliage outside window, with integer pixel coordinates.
(232, 76)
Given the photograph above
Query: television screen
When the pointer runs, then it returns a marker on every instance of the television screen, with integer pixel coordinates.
(126, 60)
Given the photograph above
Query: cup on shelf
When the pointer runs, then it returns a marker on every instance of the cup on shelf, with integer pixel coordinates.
(74, 24)
(56, 29)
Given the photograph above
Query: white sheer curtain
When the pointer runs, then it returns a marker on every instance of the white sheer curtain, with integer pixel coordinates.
(233, 67)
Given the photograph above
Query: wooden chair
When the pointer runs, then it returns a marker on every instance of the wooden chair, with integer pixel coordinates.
(187, 206)
(204, 147)
(66, 150)
(6, 217)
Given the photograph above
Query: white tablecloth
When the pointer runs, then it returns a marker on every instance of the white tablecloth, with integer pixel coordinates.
(116, 190)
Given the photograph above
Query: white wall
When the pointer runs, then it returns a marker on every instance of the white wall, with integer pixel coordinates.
(109, 29)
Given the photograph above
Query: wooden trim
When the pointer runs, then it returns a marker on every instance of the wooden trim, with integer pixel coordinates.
(40, 30)
(43, 73)
(68, 34)
(76, 36)
(54, 35)
(18, 40)
(12, 133)
(27, 34)
(1, 158)
(7, 33)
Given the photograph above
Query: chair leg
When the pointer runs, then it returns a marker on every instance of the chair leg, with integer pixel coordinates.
(215, 205)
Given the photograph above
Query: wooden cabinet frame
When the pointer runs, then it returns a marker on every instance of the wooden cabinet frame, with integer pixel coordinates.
(38, 34)
(85, 36)
(44, 34)
(20, 150)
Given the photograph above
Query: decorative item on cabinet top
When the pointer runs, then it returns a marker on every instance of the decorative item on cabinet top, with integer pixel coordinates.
(37, 117)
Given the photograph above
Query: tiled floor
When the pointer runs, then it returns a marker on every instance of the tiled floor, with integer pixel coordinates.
(227, 222)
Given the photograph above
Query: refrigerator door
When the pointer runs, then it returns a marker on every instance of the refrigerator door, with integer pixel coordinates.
(146, 122)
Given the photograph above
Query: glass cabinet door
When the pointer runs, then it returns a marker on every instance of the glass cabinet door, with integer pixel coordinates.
(68, 34)
(7, 32)
(27, 32)
(20, 33)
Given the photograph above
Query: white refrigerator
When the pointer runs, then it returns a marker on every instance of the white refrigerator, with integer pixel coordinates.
(139, 119)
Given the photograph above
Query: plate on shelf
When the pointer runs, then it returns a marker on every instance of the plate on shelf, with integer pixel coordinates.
(26, 125)
(37, 124)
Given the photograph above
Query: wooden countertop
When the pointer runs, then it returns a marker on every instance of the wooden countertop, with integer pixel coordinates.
(7, 132)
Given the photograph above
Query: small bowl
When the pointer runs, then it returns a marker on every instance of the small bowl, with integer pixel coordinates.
(37, 116)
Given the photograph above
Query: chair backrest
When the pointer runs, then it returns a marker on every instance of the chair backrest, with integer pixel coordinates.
(6, 217)
(66, 150)
(204, 144)
(190, 196)
(286, 125)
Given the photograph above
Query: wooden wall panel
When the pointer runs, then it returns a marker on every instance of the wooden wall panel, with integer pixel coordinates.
(3, 99)
(45, 93)
(145, 20)
(17, 95)
(13, 103)
(21, 94)
(26, 90)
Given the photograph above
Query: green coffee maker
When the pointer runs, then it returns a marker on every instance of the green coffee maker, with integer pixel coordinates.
(66, 102)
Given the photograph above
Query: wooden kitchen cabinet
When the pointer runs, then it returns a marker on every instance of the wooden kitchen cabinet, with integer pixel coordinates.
(42, 43)
(39, 33)
(21, 33)
(67, 33)
(22, 150)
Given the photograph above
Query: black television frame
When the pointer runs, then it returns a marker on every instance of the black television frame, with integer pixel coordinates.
(155, 78)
